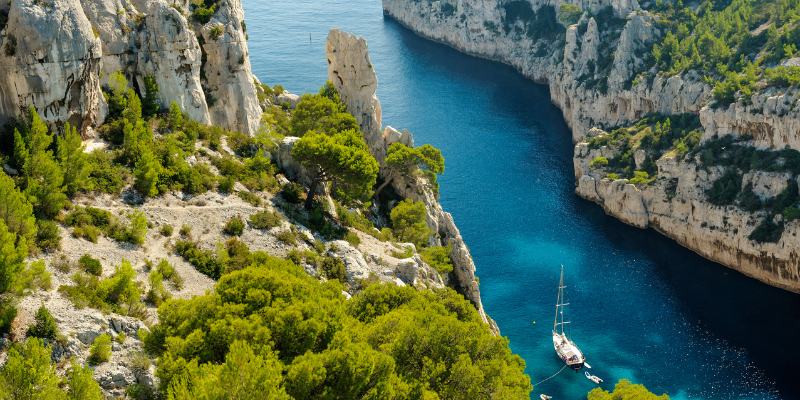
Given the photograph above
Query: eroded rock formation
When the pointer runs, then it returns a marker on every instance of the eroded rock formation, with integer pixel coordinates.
(57, 53)
(350, 69)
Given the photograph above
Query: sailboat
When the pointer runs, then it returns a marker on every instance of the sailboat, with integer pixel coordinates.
(566, 349)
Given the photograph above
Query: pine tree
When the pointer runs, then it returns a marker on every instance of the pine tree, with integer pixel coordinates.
(44, 326)
(73, 161)
(146, 174)
(41, 176)
(16, 211)
(12, 257)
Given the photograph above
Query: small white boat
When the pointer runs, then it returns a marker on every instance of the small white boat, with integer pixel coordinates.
(545, 397)
(594, 378)
(566, 349)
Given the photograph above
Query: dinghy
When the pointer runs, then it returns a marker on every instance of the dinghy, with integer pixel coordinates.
(594, 378)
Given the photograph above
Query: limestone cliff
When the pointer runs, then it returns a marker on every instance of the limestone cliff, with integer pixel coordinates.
(56, 54)
(591, 70)
(351, 72)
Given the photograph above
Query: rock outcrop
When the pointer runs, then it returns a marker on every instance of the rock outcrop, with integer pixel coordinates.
(351, 72)
(50, 59)
(77, 44)
(591, 71)
(350, 69)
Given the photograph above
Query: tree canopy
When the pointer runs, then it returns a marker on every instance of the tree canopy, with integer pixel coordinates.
(403, 160)
(341, 159)
(625, 390)
(387, 342)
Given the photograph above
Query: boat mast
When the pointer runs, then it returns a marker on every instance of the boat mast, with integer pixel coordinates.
(560, 304)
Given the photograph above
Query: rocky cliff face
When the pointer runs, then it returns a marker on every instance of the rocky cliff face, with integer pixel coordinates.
(351, 71)
(591, 70)
(77, 44)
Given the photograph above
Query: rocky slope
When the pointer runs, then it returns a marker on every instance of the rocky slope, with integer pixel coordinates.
(205, 69)
(56, 54)
(594, 71)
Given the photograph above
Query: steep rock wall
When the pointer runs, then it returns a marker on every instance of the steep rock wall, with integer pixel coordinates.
(591, 73)
(50, 59)
(77, 44)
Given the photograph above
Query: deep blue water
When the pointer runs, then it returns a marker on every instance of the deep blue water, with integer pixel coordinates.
(643, 308)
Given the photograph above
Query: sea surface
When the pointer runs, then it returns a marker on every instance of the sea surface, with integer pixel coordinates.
(642, 307)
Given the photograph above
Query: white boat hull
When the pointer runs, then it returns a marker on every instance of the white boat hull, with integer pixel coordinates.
(568, 352)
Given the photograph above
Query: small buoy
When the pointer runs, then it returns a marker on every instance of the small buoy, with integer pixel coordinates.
(533, 322)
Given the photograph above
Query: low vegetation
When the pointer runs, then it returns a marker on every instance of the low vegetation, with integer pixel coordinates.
(656, 135)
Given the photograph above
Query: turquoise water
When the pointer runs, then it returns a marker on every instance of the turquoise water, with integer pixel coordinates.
(642, 308)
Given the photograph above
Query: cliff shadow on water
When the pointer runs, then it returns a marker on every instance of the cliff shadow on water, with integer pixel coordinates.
(644, 307)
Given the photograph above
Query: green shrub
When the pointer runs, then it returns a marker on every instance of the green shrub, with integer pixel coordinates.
(783, 76)
(569, 14)
(234, 226)
(287, 236)
(61, 263)
(204, 261)
(44, 325)
(151, 105)
(748, 200)
(169, 273)
(767, 231)
(186, 231)
(166, 230)
(8, 312)
(293, 193)
(48, 236)
(641, 178)
(352, 238)
(203, 13)
(118, 293)
(265, 219)
(100, 350)
(32, 277)
(438, 257)
(104, 175)
(725, 189)
(156, 294)
(791, 213)
(226, 184)
(90, 265)
(599, 162)
(249, 197)
(333, 268)
(379, 336)
(216, 32)
(409, 222)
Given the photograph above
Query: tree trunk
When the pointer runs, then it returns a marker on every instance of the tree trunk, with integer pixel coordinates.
(383, 185)
(312, 193)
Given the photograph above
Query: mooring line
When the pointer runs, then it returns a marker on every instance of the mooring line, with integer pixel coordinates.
(551, 376)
